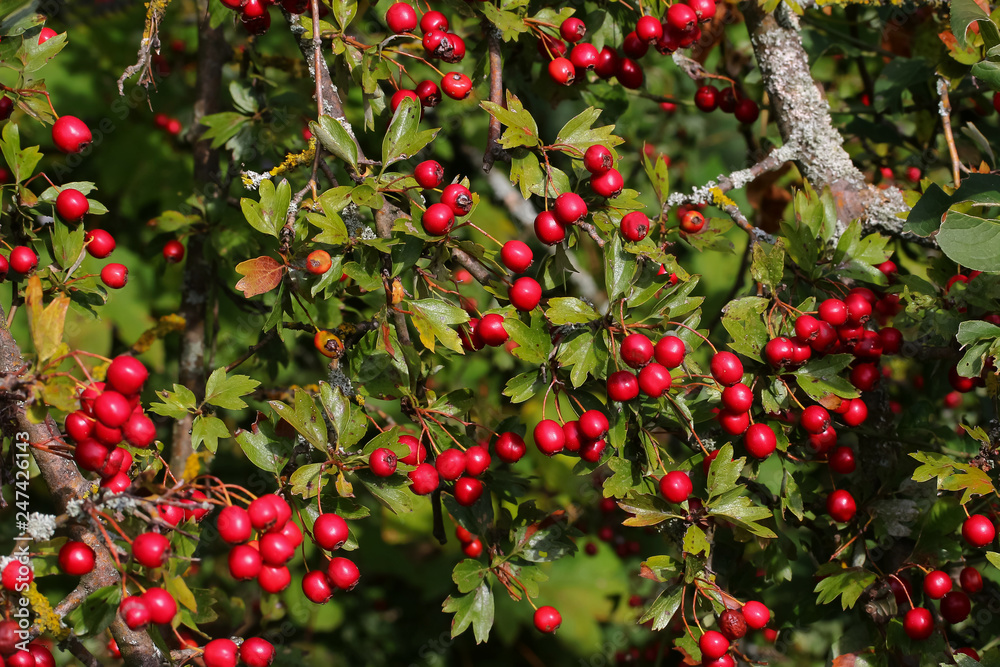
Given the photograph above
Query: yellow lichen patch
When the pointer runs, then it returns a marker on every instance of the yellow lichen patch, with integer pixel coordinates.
(293, 160)
(192, 467)
(720, 199)
(45, 616)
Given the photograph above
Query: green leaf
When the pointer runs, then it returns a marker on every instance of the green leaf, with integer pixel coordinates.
(468, 575)
(226, 392)
(534, 344)
(658, 174)
(393, 492)
(402, 140)
(223, 126)
(695, 541)
(306, 480)
(723, 472)
(208, 429)
(619, 268)
(263, 451)
(971, 241)
(332, 228)
(435, 319)
(97, 611)
(176, 404)
(580, 134)
(304, 417)
(662, 611)
(925, 216)
(963, 14)
(35, 56)
(994, 558)
(522, 387)
(744, 322)
(475, 608)
(579, 353)
(526, 172)
(570, 310)
(66, 245)
(335, 138)
(735, 506)
(21, 162)
(768, 263)
(626, 477)
(509, 24)
(821, 377)
(646, 510)
(349, 422)
(847, 584)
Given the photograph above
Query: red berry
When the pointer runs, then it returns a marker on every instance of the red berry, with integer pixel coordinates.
(318, 262)
(244, 562)
(971, 580)
(676, 486)
(635, 226)
(746, 111)
(634, 47)
(15, 575)
(607, 185)
(569, 208)
(316, 587)
(548, 228)
(114, 275)
(734, 423)
(437, 220)
(477, 460)
(23, 259)
(429, 174)
(468, 490)
(842, 460)
(456, 85)
(841, 506)
(551, 47)
(918, 623)
(423, 479)
(865, 376)
(760, 440)
(955, 607)
(458, 198)
(112, 409)
(654, 380)
(598, 159)
(649, 28)
(707, 97)
(100, 243)
(220, 653)
(173, 251)
(757, 615)
(692, 222)
(161, 604)
(636, 350)
(815, 419)
(76, 558)
(433, 20)
(491, 330)
(737, 398)
(72, 205)
(139, 431)
(779, 352)
(429, 94)
(525, 293)
(234, 525)
(629, 72)
(134, 612)
(726, 368)
(562, 71)
(669, 352)
(572, 29)
(41, 654)
(149, 549)
(473, 548)
(450, 464)
(547, 619)
(401, 18)
(549, 437)
(978, 531)
(510, 447)
(257, 652)
(622, 386)
(126, 375)
(516, 256)
(833, 312)
(593, 424)
(274, 578)
(382, 462)
(70, 134)
(607, 65)
(713, 644)
(343, 573)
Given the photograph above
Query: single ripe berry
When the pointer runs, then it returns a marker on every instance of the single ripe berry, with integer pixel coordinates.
(70, 134)
(757, 615)
(23, 259)
(713, 644)
(330, 531)
(918, 623)
(382, 462)
(676, 486)
(971, 580)
(669, 351)
(955, 607)
(343, 573)
(150, 549)
(607, 185)
(255, 651)
(746, 111)
(161, 604)
(220, 653)
(417, 453)
(274, 578)
(134, 612)
(438, 219)
(622, 386)
(593, 424)
(649, 28)
(857, 412)
(598, 159)
(456, 85)
(779, 352)
(548, 228)
(458, 198)
(654, 380)
(840, 506)
(842, 460)
(173, 251)
(572, 29)
(100, 243)
(833, 312)
(636, 350)
(430, 96)
(491, 330)
(635, 226)
(549, 437)
(681, 18)
(234, 525)
(607, 65)
(704, 9)
(450, 464)
(112, 409)
(429, 174)
(547, 619)
(726, 368)
(978, 531)
(76, 558)
(737, 398)
(516, 256)
(126, 375)
(707, 97)
(562, 71)
(316, 587)
(318, 262)
(692, 222)
(114, 275)
(510, 447)
(17, 574)
(634, 47)
(525, 293)
(401, 18)
(433, 20)
(569, 208)
(423, 479)
(477, 460)
(629, 72)
(760, 440)
(468, 490)
(815, 419)
(400, 95)
(72, 205)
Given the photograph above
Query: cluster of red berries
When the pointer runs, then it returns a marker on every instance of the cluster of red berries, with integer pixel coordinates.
(472, 546)
(439, 43)
(171, 126)
(462, 468)
(254, 652)
(715, 645)
(456, 199)
(955, 605)
(110, 412)
(708, 98)
(584, 436)
(11, 655)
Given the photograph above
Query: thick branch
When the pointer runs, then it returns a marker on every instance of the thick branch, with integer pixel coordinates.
(212, 54)
(803, 117)
(493, 149)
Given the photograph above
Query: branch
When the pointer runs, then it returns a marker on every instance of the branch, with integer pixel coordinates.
(945, 111)
(803, 117)
(493, 149)
(150, 43)
(734, 181)
(212, 55)
(385, 217)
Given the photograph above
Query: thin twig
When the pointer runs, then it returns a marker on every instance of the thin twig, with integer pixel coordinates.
(945, 111)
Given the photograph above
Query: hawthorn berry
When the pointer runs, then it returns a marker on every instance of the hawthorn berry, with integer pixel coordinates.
(274, 578)
(424, 479)
(569, 208)
(450, 464)
(592, 450)
(525, 293)
(746, 111)
(649, 28)
(707, 97)
(161, 604)
(549, 437)
(468, 490)
(318, 262)
(629, 72)
(150, 549)
(134, 612)
(918, 623)
(713, 644)
(608, 185)
(737, 398)
(477, 460)
(114, 275)
(760, 440)
(635, 226)
(978, 531)
(840, 506)
(220, 653)
(72, 205)
(70, 134)
(491, 330)
(510, 447)
(732, 624)
(669, 352)
(547, 619)
(970, 579)
(382, 462)
(516, 256)
(417, 453)
(330, 531)
(548, 228)
(654, 380)
(257, 652)
(401, 17)
(593, 424)
(126, 374)
(779, 352)
(676, 486)
(607, 64)
(756, 614)
(23, 259)
(458, 198)
(429, 94)
(456, 85)
(343, 573)
(316, 587)
(622, 386)
(562, 71)
(572, 29)
(726, 367)
(433, 20)
(100, 243)
(815, 419)
(734, 423)
(76, 558)
(842, 460)
(636, 350)
(833, 312)
(955, 607)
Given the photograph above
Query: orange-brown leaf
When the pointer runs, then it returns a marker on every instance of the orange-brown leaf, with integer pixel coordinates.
(260, 275)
